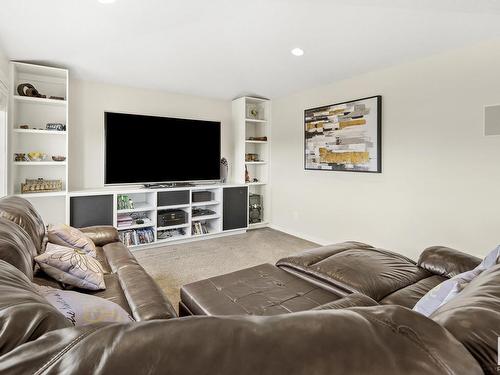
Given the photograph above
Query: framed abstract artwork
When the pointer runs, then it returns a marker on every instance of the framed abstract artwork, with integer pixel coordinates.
(344, 136)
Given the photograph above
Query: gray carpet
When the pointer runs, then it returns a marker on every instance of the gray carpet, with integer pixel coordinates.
(175, 265)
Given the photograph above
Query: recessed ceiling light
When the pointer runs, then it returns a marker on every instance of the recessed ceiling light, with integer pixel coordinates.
(297, 52)
(106, 1)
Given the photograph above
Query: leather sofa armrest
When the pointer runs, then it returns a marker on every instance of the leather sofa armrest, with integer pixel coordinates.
(101, 235)
(447, 262)
(375, 340)
(351, 300)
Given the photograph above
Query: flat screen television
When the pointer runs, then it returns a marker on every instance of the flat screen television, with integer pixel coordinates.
(149, 149)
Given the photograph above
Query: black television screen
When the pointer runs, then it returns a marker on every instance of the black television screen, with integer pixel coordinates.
(148, 149)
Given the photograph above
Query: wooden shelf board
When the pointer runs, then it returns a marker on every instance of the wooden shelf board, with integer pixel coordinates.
(172, 207)
(255, 120)
(186, 225)
(256, 183)
(39, 163)
(136, 226)
(139, 207)
(29, 99)
(256, 162)
(43, 195)
(205, 217)
(207, 203)
(256, 142)
(38, 131)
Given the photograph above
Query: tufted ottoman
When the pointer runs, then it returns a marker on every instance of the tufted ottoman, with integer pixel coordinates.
(260, 290)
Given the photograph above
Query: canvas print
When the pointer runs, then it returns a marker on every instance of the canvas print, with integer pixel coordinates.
(344, 136)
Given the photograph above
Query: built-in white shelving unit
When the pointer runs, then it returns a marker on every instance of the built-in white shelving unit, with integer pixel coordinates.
(36, 113)
(251, 119)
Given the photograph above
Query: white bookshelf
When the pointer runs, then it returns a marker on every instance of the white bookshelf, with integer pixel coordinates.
(245, 128)
(36, 113)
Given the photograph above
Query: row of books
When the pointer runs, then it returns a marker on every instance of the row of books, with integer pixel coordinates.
(137, 236)
(199, 228)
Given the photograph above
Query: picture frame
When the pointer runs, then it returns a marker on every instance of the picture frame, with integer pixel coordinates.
(345, 136)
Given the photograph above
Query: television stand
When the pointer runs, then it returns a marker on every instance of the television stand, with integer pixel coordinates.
(168, 185)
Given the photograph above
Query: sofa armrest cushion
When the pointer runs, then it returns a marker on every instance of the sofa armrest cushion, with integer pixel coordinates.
(351, 300)
(145, 298)
(444, 261)
(366, 340)
(101, 235)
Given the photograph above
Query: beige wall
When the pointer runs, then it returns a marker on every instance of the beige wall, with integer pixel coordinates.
(89, 101)
(4, 66)
(441, 177)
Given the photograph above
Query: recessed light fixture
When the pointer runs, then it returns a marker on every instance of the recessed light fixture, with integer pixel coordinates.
(106, 1)
(297, 51)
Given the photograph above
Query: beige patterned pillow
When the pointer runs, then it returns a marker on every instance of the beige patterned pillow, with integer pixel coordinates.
(72, 266)
(65, 235)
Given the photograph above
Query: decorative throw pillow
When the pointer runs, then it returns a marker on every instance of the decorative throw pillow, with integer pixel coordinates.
(72, 266)
(65, 235)
(448, 289)
(82, 309)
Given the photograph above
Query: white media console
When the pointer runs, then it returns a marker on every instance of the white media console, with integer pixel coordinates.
(227, 202)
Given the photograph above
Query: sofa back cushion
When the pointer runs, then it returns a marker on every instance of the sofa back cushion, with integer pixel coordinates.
(473, 317)
(16, 247)
(24, 314)
(22, 212)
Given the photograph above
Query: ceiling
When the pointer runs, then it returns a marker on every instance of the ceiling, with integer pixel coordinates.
(226, 48)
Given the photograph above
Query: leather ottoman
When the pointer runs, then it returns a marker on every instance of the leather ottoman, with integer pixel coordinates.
(260, 290)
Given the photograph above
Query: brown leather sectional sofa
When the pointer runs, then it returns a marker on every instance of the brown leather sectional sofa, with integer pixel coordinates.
(331, 338)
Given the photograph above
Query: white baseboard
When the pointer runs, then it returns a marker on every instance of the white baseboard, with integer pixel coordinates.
(304, 236)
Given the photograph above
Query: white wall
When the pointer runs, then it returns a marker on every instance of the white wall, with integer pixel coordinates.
(89, 101)
(441, 177)
(4, 82)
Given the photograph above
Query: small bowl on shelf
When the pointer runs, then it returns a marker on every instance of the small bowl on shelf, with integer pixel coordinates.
(59, 158)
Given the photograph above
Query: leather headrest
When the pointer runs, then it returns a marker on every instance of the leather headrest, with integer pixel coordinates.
(16, 247)
(473, 317)
(22, 212)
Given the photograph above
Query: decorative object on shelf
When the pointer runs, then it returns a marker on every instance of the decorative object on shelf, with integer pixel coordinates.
(24, 126)
(20, 157)
(54, 97)
(255, 180)
(247, 176)
(37, 156)
(27, 89)
(260, 139)
(58, 158)
(124, 202)
(41, 186)
(224, 168)
(202, 212)
(251, 157)
(344, 136)
(169, 233)
(253, 111)
(55, 126)
(255, 208)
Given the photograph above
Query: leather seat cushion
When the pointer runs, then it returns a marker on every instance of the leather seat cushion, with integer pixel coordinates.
(357, 267)
(410, 295)
(260, 290)
(16, 247)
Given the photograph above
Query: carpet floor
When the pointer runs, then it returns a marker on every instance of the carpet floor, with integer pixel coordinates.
(175, 265)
